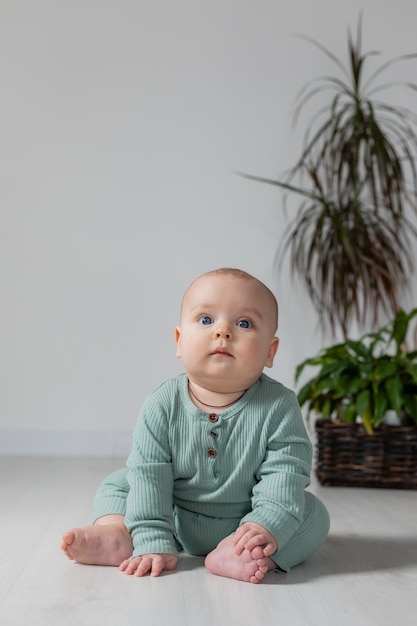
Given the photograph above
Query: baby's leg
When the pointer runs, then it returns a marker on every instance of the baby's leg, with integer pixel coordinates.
(309, 537)
(106, 542)
(249, 566)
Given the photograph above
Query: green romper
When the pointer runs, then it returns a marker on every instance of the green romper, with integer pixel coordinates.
(193, 477)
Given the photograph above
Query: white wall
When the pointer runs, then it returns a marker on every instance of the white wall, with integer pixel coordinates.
(122, 124)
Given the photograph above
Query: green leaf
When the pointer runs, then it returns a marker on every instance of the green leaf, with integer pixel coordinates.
(359, 348)
(384, 368)
(326, 409)
(380, 408)
(306, 393)
(367, 421)
(354, 384)
(410, 406)
(350, 414)
(363, 402)
(310, 362)
(400, 327)
(394, 390)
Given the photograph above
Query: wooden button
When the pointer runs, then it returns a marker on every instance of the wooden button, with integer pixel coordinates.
(213, 418)
(212, 453)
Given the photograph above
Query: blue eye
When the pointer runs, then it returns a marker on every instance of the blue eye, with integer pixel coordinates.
(206, 320)
(244, 324)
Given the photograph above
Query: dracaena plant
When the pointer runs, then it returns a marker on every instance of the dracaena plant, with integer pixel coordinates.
(350, 240)
(365, 378)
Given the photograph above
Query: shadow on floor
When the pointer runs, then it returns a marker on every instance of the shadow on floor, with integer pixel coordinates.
(341, 554)
(352, 554)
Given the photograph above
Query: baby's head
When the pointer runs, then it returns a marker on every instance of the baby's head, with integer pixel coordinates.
(225, 276)
(227, 329)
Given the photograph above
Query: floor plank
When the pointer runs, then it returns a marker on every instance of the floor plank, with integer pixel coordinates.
(365, 574)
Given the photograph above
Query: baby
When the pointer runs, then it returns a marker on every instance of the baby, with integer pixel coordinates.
(220, 459)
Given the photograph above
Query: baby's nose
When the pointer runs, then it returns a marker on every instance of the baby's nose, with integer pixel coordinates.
(223, 331)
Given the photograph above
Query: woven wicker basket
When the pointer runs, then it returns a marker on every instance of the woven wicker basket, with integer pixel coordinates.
(348, 456)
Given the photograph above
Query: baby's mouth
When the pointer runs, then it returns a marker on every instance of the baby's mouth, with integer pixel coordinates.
(221, 352)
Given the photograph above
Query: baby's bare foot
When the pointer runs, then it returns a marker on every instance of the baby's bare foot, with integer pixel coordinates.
(249, 566)
(98, 545)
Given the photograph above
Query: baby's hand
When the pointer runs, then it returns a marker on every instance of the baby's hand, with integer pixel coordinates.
(153, 564)
(250, 535)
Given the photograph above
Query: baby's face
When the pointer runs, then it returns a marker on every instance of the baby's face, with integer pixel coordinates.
(226, 337)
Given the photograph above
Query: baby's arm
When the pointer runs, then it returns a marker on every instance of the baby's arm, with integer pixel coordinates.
(153, 564)
(149, 506)
(250, 535)
(278, 498)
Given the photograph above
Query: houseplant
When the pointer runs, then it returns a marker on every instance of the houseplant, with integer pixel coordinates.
(358, 382)
(349, 242)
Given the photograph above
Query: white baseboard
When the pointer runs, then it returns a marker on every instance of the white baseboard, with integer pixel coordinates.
(62, 443)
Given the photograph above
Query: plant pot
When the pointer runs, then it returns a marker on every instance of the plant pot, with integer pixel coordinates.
(348, 456)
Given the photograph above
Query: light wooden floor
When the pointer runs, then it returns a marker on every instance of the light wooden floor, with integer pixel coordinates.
(366, 573)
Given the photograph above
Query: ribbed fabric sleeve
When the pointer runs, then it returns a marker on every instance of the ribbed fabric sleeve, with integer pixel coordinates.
(251, 462)
(278, 495)
(149, 506)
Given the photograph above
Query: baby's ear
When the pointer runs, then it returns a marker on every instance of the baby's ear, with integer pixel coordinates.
(273, 349)
(177, 341)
